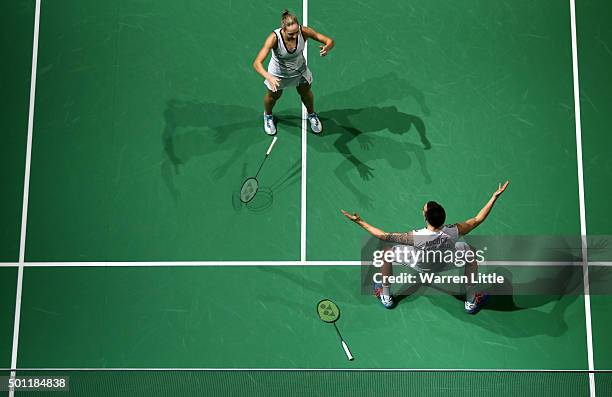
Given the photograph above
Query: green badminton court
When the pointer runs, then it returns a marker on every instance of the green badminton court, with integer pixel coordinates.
(136, 253)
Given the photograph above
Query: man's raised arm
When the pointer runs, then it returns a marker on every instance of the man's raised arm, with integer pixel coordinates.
(400, 238)
(472, 223)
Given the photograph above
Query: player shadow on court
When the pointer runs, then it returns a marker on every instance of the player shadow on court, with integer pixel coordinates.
(196, 129)
(332, 278)
(358, 134)
(364, 132)
(561, 289)
(375, 91)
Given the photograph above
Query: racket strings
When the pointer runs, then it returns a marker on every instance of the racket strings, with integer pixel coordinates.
(248, 190)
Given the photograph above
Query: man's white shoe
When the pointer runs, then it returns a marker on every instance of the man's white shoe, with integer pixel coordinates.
(315, 123)
(269, 125)
(387, 301)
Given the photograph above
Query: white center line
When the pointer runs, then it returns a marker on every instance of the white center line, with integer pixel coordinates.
(304, 152)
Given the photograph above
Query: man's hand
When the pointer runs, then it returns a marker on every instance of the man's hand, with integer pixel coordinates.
(323, 50)
(373, 230)
(354, 217)
(472, 223)
(500, 189)
(274, 82)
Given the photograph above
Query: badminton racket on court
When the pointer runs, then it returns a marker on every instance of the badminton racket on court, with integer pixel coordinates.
(251, 185)
(329, 312)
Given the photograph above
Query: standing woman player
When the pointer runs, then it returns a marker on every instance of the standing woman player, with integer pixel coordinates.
(287, 67)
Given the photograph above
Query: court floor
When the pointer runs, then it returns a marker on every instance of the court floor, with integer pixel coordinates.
(147, 117)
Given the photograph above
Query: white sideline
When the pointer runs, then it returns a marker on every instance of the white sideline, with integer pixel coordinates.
(583, 227)
(26, 192)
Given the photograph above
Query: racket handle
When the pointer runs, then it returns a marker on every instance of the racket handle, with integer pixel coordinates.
(347, 351)
(271, 145)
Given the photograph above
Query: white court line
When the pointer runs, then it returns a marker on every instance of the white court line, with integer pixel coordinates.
(275, 263)
(304, 152)
(191, 264)
(540, 263)
(583, 227)
(26, 192)
(579, 371)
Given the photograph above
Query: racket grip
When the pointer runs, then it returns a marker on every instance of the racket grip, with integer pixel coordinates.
(347, 351)
(271, 145)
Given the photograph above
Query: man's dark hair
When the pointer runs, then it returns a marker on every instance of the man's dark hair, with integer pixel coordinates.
(435, 214)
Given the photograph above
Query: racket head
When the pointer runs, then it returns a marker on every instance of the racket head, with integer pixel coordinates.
(248, 190)
(328, 311)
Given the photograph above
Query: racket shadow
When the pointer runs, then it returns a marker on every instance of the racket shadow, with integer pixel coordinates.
(263, 202)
